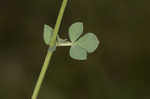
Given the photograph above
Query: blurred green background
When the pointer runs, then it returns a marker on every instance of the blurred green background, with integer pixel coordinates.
(119, 69)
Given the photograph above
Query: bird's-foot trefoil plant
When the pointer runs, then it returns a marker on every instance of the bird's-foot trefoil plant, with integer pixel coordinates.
(80, 46)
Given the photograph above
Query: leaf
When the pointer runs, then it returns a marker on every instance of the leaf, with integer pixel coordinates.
(75, 31)
(88, 42)
(78, 53)
(48, 31)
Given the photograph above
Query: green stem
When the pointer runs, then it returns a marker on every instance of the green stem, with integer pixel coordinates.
(49, 53)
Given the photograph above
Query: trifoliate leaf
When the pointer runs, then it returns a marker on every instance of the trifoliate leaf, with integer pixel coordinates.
(75, 31)
(48, 31)
(88, 42)
(78, 53)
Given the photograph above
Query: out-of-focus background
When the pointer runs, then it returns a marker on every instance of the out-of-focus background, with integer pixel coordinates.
(119, 69)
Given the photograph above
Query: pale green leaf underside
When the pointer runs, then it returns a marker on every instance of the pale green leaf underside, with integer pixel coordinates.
(75, 31)
(78, 53)
(89, 42)
(47, 34)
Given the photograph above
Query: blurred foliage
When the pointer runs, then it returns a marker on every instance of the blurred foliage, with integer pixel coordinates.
(119, 69)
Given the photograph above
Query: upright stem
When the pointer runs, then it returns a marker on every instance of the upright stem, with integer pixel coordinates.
(49, 53)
